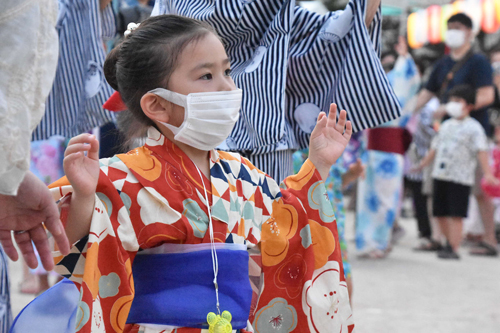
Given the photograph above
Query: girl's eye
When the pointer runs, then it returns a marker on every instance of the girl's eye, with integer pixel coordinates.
(228, 72)
(206, 77)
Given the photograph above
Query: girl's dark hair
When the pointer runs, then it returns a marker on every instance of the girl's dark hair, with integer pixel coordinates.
(145, 60)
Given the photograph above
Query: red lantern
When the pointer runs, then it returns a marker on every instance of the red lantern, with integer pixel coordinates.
(434, 24)
(490, 23)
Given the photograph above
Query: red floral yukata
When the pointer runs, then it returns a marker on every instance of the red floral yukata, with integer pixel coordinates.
(154, 195)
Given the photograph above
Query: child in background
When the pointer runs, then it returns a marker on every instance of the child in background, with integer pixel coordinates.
(460, 142)
(161, 233)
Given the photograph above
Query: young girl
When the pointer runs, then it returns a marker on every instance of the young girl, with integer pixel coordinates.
(174, 230)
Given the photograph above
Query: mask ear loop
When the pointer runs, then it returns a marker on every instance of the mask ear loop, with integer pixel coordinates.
(215, 262)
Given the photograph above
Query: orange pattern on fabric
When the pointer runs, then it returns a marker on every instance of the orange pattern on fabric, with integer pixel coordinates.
(276, 232)
(298, 181)
(143, 163)
(226, 156)
(121, 307)
(120, 311)
(92, 273)
(323, 243)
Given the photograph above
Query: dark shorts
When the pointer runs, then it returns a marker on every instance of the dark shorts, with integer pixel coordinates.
(450, 199)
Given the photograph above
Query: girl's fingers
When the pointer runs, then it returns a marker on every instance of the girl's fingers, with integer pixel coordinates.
(82, 138)
(342, 121)
(94, 149)
(348, 130)
(71, 158)
(74, 148)
(332, 115)
(87, 140)
(322, 120)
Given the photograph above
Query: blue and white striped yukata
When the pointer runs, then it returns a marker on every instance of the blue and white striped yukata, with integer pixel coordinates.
(291, 64)
(5, 309)
(80, 89)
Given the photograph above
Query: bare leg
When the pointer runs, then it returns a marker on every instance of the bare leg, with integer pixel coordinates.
(443, 226)
(29, 283)
(487, 210)
(455, 226)
(43, 280)
(437, 235)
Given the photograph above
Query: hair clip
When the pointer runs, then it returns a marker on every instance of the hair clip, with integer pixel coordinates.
(131, 27)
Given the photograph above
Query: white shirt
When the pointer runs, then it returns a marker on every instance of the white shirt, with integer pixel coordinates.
(457, 144)
(28, 60)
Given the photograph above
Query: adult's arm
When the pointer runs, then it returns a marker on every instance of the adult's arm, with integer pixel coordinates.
(371, 9)
(29, 60)
(484, 96)
(423, 98)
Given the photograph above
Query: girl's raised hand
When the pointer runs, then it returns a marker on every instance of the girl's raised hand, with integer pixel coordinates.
(82, 170)
(329, 139)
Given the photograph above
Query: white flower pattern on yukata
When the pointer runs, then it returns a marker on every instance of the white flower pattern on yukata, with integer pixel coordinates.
(325, 304)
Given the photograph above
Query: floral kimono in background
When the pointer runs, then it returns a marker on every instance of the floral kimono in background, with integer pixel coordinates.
(154, 195)
(334, 189)
(379, 194)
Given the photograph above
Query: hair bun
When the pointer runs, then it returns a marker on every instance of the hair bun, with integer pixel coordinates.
(110, 67)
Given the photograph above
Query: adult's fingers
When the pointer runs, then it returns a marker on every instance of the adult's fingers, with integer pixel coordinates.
(39, 238)
(24, 244)
(8, 245)
(53, 223)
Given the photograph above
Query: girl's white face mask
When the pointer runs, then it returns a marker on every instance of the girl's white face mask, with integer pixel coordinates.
(454, 38)
(454, 109)
(209, 117)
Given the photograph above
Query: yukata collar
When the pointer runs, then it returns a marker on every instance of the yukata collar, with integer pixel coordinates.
(171, 153)
(156, 138)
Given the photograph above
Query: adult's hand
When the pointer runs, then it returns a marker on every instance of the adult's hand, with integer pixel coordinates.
(401, 47)
(26, 214)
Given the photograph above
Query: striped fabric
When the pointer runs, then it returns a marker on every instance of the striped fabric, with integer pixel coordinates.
(292, 63)
(5, 310)
(80, 89)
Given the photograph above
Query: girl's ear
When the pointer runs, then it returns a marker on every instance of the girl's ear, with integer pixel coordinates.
(156, 108)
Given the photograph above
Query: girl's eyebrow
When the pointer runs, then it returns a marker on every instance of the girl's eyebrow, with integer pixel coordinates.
(209, 65)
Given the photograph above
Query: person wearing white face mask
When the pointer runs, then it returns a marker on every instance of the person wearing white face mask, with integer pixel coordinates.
(463, 66)
(459, 141)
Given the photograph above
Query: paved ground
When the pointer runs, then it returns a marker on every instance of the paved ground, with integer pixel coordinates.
(407, 292)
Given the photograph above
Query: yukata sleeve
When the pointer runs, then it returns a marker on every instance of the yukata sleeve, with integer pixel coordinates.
(304, 288)
(100, 264)
(335, 58)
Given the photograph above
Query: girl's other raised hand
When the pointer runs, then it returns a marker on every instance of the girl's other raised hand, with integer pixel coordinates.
(329, 139)
(81, 164)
